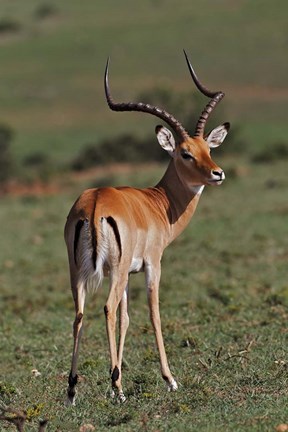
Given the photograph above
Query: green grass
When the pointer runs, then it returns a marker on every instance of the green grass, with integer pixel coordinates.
(224, 305)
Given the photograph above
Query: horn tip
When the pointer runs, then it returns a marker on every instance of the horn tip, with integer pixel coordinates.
(107, 65)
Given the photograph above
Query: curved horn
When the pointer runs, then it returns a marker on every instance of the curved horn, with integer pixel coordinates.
(215, 99)
(146, 108)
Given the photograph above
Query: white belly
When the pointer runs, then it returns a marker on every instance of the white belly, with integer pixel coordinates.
(136, 265)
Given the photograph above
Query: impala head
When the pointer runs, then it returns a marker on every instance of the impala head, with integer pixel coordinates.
(191, 155)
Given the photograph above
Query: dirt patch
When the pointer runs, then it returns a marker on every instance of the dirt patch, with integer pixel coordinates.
(68, 181)
(37, 188)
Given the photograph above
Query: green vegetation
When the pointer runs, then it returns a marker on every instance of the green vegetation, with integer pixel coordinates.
(224, 292)
(224, 304)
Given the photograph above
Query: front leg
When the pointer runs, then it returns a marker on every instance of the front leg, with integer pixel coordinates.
(152, 273)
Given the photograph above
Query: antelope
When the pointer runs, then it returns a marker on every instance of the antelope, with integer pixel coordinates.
(116, 231)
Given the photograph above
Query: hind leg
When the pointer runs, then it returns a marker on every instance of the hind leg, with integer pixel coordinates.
(118, 284)
(123, 327)
(79, 294)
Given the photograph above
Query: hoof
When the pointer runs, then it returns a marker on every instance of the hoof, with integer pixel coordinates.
(172, 386)
(118, 398)
(112, 394)
(70, 401)
(121, 397)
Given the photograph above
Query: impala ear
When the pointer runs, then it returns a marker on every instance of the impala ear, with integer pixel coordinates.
(166, 139)
(217, 135)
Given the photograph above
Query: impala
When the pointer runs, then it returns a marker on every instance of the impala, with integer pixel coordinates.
(118, 231)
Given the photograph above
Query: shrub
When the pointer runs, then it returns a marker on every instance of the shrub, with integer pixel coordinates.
(125, 148)
(45, 10)
(40, 166)
(36, 160)
(274, 152)
(9, 25)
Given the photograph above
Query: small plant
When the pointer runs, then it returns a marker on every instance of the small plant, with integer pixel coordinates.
(18, 418)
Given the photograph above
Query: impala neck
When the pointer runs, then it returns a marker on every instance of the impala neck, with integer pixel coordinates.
(181, 200)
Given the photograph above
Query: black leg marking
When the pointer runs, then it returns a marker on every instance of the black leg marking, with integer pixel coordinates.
(71, 393)
(72, 381)
(115, 374)
(111, 221)
(78, 228)
(77, 321)
(106, 310)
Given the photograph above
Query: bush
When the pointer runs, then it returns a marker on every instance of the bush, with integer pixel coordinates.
(275, 152)
(46, 10)
(125, 148)
(9, 25)
(36, 160)
(40, 166)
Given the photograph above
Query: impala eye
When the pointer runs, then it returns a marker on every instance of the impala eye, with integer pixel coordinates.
(187, 155)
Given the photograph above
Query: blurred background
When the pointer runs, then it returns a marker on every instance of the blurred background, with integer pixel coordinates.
(54, 117)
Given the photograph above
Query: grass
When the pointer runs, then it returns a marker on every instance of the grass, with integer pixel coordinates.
(224, 304)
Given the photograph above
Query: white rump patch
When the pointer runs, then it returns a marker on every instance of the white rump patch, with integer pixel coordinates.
(102, 252)
(92, 278)
(84, 253)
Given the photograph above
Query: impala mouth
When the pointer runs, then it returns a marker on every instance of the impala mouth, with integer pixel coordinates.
(215, 182)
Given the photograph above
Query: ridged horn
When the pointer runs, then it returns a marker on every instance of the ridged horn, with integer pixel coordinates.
(142, 107)
(215, 99)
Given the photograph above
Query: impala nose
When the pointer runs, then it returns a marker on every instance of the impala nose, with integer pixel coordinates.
(218, 175)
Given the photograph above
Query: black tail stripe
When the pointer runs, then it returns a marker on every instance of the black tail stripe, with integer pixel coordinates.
(93, 238)
(78, 228)
(111, 221)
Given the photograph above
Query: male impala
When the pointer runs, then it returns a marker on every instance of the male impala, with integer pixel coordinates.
(118, 231)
